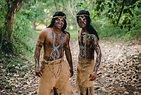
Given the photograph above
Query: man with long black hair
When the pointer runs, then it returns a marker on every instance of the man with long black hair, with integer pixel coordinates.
(54, 71)
(88, 44)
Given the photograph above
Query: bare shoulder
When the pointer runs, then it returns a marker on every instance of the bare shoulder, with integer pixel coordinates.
(45, 31)
(67, 39)
(94, 37)
(67, 34)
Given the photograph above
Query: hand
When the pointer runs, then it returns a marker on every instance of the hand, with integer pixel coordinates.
(93, 76)
(39, 71)
(71, 71)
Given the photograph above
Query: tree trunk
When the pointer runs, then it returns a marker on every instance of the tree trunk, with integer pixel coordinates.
(13, 7)
(121, 11)
(9, 25)
(34, 25)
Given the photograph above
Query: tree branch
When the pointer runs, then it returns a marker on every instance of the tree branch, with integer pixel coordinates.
(121, 11)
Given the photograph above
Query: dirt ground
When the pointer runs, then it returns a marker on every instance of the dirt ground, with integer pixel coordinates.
(119, 72)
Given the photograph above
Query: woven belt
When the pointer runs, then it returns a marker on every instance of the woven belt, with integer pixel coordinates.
(57, 61)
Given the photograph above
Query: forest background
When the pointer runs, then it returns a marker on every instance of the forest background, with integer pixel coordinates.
(22, 20)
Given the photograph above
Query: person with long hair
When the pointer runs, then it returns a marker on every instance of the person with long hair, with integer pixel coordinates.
(54, 71)
(87, 67)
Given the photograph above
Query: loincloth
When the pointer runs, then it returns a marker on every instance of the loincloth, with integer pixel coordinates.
(84, 69)
(55, 74)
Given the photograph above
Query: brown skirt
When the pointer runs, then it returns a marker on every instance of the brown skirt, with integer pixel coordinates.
(55, 74)
(84, 69)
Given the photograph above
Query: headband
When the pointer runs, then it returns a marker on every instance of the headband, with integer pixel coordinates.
(82, 15)
(64, 17)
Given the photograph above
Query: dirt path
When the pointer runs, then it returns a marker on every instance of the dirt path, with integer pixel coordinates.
(119, 69)
(118, 73)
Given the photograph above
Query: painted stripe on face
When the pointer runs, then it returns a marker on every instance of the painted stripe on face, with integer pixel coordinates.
(82, 19)
(59, 20)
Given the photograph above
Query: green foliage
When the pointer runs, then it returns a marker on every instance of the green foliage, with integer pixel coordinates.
(2, 18)
(106, 30)
(104, 15)
(135, 32)
(73, 34)
(2, 12)
(22, 34)
(35, 12)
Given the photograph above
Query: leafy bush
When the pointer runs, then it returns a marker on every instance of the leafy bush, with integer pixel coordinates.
(23, 34)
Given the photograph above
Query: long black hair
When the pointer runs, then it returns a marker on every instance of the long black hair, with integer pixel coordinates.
(89, 27)
(59, 13)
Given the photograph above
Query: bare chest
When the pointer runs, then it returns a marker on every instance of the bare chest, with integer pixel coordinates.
(85, 39)
(55, 40)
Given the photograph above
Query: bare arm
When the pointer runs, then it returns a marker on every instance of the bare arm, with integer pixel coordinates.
(37, 54)
(68, 54)
(93, 75)
(98, 52)
(37, 57)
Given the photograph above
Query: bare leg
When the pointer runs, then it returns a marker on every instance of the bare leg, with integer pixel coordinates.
(55, 91)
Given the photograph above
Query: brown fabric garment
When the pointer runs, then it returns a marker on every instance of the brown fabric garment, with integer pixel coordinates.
(87, 90)
(55, 75)
(84, 69)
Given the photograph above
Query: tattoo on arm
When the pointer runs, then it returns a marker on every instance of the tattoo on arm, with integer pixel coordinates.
(39, 45)
(98, 52)
(37, 55)
(98, 59)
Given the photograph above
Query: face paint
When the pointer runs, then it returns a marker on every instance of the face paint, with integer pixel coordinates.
(59, 21)
(82, 18)
(82, 21)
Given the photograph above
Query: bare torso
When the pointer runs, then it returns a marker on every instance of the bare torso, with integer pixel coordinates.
(86, 46)
(53, 44)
